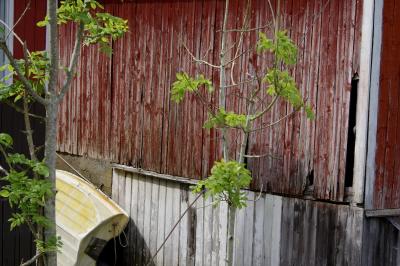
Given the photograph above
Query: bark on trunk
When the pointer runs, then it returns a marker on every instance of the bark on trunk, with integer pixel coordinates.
(50, 157)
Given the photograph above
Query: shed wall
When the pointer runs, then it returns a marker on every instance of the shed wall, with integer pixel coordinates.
(271, 230)
(120, 110)
(385, 191)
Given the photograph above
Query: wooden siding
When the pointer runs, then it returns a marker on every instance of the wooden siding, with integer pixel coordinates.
(120, 110)
(385, 189)
(272, 230)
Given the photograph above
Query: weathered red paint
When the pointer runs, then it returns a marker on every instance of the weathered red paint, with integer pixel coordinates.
(120, 108)
(387, 182)
(26, 29)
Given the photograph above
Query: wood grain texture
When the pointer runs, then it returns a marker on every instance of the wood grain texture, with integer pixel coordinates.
(120, 109)
(271, 230)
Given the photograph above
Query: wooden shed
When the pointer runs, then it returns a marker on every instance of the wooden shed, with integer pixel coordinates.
(309, 206)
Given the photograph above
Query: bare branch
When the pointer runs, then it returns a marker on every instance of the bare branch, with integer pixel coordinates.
(20, 110)
(32, 260)
(271, 104)
(173, 228)
(275, 122)
(2, 170)
(273, 13)
(20, 74)
(238, 56)
(15, 35)
(200, 61)
(262, 155)
(74, 61)
(268, 25)
(240, 83)
(28, 6)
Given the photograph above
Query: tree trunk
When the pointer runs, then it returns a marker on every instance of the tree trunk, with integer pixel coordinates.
(231, 233)
(50, 158)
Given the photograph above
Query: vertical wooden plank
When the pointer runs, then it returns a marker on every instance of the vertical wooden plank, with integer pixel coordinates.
(176, 214)
(192, 233)
(154, 208)
(276, 230)
(269, 215)
(199, 232)
(140, 244)
(115, 181)
(128, 207)
(184, 225)
(286, 247)
(133, 229)
(161, 221)
(258, 235)
(215, 245)
(239, 245)
(208, 233)
(362, 100)
(147, 218)
(340, 237)
(223, 233)
(249, 229)
(169, 218)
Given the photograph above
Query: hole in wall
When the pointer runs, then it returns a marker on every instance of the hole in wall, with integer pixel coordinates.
(351, 132)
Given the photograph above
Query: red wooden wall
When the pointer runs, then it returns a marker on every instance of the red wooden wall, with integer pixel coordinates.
(34, 36)
(120, 108)
(387, 168)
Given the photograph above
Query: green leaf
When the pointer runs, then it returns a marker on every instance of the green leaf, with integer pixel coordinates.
(226, 182)
(6, 140)
(186, 84)
(42, 23)
(4, 193)
(309, 112)
(41, 169)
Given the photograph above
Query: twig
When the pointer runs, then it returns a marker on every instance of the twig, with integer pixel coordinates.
(73, 63)
(15, 35)
(262, 155)
(27, 121)
(4, 171)
(20, 110)
(197, 60)
(259, 194)
(173, 228)
(271, 104)
(3, 152)
(32, 260)
(28, 6)
(275, 122)
(240, 83)
(250, 30)
(20, 74)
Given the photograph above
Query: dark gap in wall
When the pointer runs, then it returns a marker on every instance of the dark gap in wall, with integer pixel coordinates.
(351, 134)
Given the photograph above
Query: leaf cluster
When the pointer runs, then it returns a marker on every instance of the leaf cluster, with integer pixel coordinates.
(27, 195)
(280, 82)
(223, 118)
(36, 69)
(226, 182)
(99, 27)
(282, 47)
(184, 83)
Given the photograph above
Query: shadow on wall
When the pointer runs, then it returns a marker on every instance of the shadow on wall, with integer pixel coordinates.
(117, 252)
